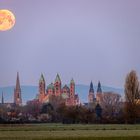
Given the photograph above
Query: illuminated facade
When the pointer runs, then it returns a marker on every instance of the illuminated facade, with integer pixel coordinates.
(66, 92)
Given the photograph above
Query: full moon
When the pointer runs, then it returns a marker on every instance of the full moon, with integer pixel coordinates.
(7, 20)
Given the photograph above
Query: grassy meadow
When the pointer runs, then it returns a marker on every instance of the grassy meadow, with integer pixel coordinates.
(69, 132)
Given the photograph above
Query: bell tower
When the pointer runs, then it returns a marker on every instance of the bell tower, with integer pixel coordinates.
(72, 88)
(57, 85)
(42, 88)
(99, 93)
(91, 96)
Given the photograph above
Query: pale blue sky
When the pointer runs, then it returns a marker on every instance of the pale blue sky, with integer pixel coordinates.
(84, 39)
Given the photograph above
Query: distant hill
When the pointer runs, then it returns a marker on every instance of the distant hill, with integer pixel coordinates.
(30, 92)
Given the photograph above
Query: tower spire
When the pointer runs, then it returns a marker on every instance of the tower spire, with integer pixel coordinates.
(57, 79)
(99, 89)
(91, 96)
(17, 92)
(42, 79)
(91, 88)
(17, 82)
(57, 85)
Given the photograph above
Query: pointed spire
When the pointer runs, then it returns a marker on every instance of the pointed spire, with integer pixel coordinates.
(17, 82)
(17, 92)
(91, 87)
(72, 81)
(99, 88)
(42, 79)
(57, 79)
(2, 99)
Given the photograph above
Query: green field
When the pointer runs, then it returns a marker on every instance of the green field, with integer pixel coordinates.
(69, 132)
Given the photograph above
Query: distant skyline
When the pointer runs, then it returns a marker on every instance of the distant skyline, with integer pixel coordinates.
(81, 39)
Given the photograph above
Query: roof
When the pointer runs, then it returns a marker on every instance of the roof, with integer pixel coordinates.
(66, 87)
(72, 81)
(57, 79)
(42, 78)
(91, 88)
(17, 82)
(99, 89)
(50, 86)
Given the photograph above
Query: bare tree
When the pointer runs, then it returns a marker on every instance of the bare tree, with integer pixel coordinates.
(132, 96)
(110, 104)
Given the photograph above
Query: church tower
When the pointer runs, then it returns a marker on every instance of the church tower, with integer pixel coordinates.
(99, 89)
(42, 88)
(57, 85)
(17, 92)
(91, 96)
(99, 93)
(72, 88)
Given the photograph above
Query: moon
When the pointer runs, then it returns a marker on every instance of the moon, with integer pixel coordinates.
(7, 20)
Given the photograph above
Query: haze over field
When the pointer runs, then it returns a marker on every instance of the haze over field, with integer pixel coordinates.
(84, 39)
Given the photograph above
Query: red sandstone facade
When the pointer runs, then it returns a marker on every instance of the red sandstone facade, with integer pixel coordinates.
(67, 92)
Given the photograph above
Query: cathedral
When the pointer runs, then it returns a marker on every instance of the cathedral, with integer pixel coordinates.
(91, 96)
(56, 89)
